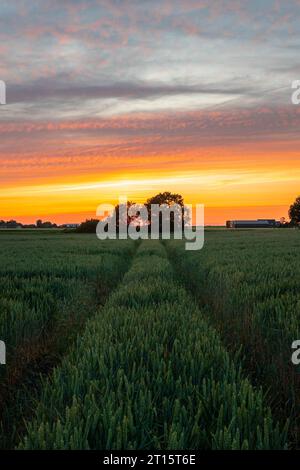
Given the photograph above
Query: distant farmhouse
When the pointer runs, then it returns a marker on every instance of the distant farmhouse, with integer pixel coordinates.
(259, 223)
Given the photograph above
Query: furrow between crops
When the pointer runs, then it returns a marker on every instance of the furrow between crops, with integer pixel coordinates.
(37, 355)
(149, 372)
(237, 285)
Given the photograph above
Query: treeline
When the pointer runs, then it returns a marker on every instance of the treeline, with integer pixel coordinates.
(166, 198)
(13, 224)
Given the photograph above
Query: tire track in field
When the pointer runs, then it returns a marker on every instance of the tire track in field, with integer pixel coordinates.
(151, 373)
(234, 343)
(36, 359)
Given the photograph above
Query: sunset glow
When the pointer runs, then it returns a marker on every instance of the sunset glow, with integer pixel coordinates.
(132, 98)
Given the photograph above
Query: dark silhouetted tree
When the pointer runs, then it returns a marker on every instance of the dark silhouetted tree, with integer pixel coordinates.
(168, 199)
(89, 226)
(294, 212)
(128, 219)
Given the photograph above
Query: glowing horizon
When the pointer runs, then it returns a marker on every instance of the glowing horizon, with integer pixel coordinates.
(140, 98)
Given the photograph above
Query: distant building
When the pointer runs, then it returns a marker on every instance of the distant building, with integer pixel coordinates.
(259, 223)
(70, 225)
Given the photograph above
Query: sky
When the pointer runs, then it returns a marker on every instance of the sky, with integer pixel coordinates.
(130, 98)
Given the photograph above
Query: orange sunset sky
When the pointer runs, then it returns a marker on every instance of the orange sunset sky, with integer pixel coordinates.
(109, 99)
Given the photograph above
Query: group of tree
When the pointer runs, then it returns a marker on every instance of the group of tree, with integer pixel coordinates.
(47, 224)
(10, 224)
(139, 218)
(13, 224)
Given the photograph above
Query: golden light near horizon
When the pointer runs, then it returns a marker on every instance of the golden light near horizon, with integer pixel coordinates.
(137, 115)
(227, 189)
